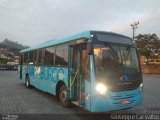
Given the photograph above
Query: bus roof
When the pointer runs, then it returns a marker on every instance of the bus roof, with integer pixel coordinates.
(85, 34)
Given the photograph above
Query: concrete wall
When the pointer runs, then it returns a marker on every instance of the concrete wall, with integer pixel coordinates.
(151, 69)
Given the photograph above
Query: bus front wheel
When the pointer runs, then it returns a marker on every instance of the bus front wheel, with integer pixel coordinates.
(63, 96)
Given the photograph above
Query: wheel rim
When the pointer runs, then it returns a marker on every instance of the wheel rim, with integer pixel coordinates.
(64, 96)
(27, 83)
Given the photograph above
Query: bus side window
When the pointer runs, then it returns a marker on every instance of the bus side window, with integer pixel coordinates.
(21, 59)
(43, 56)
(85, 65)
(61, 58)
(25, 58)
(39, 57)
(49, 56)
(30, 59)
(38, 54)
(34, 57)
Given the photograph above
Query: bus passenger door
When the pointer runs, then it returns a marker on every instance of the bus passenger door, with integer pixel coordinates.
(73, 73)
(76, 74)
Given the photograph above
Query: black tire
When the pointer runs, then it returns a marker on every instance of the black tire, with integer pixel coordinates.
(63, 96)
(27, 82)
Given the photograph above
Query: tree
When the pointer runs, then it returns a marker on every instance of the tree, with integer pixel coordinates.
(148, 45)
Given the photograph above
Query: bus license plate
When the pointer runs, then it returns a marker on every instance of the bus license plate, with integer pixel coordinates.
(124, 102)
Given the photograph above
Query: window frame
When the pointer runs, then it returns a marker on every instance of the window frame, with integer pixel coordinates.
(53, 56)
(73, 42)
(62, 45)
(25, 61)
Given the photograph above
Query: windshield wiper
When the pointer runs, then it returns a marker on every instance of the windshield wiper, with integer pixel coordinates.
(113, 51)
(129, 50)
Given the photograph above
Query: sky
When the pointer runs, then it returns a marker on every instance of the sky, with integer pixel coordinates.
(31, 22)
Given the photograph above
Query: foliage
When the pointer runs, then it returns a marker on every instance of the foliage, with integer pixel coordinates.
(9, 49)
(3, 61)
(12, 46)
(148, 45)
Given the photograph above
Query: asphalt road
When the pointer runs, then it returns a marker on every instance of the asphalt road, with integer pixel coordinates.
(16, 99)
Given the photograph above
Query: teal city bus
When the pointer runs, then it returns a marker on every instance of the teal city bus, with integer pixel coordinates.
(96, 70)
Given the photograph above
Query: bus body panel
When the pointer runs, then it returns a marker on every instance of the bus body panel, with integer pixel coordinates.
(45, 78)
(88, 95)
(92, 78)
(112, 101)
(24, 71)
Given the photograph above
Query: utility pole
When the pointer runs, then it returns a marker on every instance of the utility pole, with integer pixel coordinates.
(134, 26)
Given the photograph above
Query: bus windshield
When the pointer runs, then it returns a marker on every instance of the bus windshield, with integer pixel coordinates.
(116, 62)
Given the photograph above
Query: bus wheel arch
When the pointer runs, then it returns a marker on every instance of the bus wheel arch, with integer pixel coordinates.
(62, 94)
(58, 86)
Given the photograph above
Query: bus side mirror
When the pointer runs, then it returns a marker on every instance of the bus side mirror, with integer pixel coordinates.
(89, 47)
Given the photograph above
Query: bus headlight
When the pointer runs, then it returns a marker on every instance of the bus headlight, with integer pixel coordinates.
(101, 88)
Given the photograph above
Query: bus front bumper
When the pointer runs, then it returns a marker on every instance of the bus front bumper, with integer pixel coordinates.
(116, 100)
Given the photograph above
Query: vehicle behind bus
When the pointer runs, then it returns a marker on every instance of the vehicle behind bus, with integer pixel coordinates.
(98, 71)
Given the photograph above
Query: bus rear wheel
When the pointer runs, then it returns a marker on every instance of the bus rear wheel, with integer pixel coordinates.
(27, 82)
(63, 96)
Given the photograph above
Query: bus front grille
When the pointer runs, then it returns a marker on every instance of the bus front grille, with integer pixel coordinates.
(116, 87)
(119, 105)
(118, 97)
